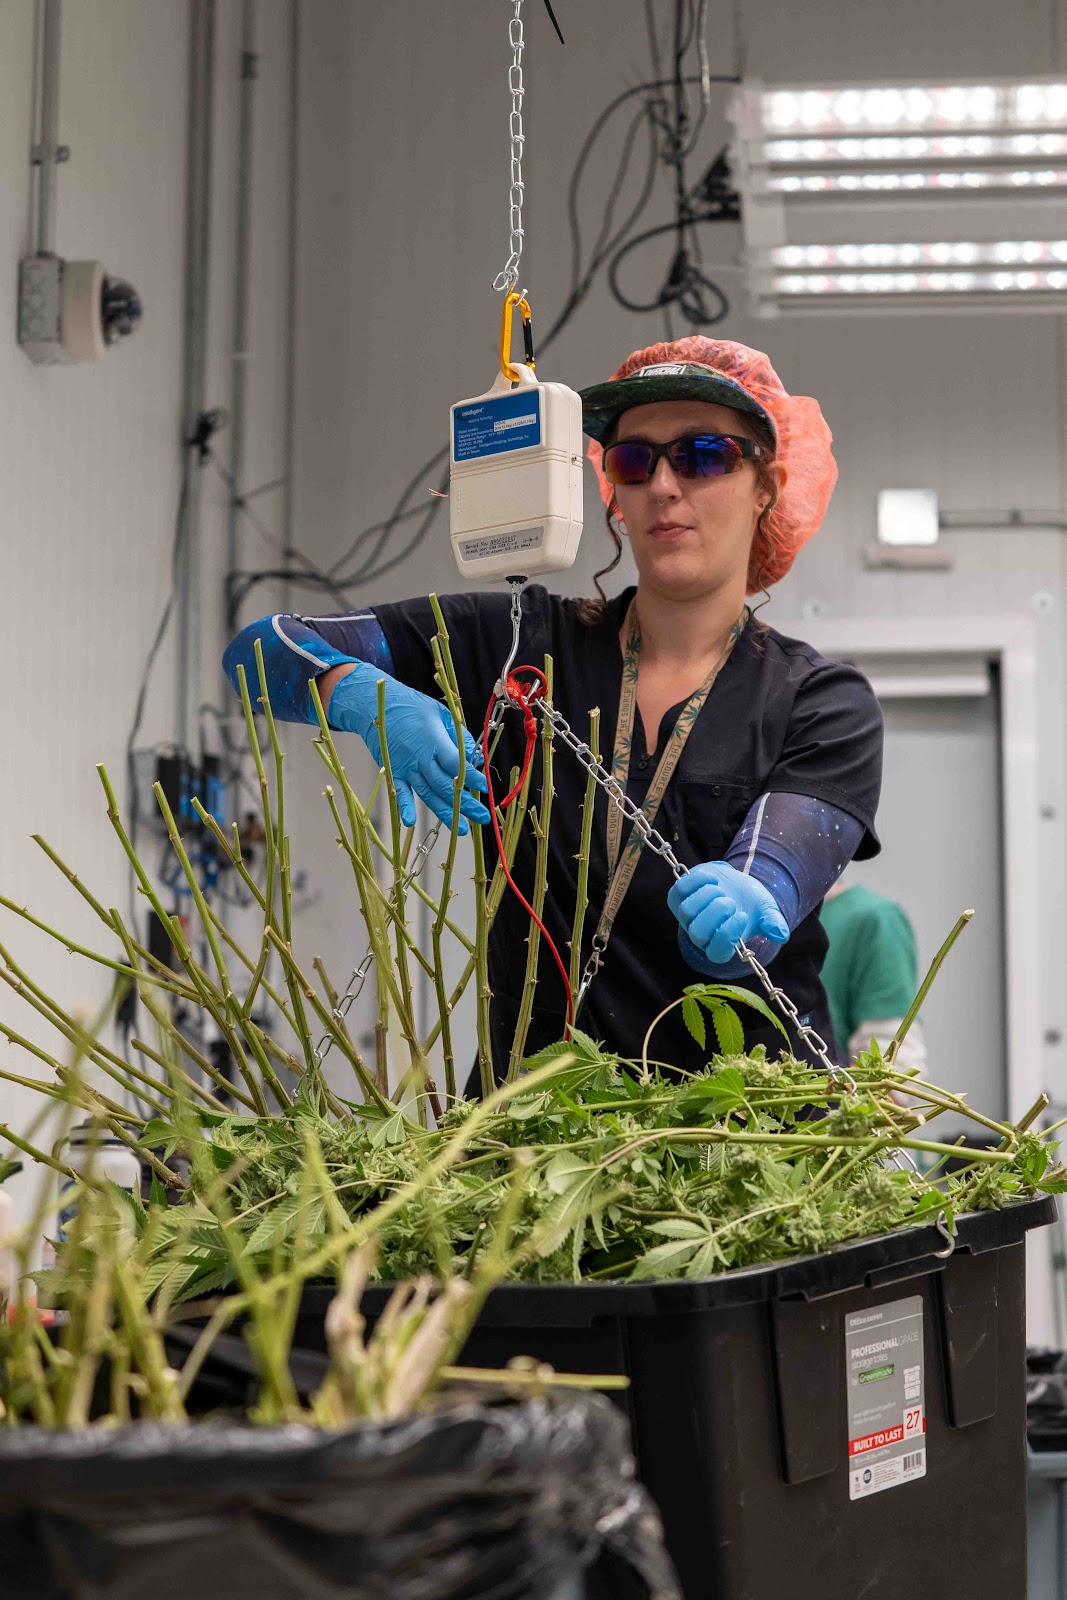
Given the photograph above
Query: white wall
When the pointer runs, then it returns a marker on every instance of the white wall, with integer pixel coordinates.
(403, 228)
(90, 455)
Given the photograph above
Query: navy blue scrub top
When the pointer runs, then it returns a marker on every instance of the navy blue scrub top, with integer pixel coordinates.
(780, 718)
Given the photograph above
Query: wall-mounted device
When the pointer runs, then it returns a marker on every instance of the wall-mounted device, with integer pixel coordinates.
(68, 310)
(72, 310)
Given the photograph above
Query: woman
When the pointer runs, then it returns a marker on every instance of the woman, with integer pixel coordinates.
(757, 759)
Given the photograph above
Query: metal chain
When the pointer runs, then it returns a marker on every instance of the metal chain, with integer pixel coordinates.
(359, 976)
(505, 281)
(654, 841)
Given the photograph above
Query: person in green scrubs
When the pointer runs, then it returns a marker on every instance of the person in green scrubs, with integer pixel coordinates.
(871, 972)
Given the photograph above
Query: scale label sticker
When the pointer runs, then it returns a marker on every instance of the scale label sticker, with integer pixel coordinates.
(886, 1410)
(499, 544)
(490, 427)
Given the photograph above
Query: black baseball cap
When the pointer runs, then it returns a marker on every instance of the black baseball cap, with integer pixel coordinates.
(604, 403)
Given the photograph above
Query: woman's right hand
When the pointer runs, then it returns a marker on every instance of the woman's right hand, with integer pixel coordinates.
(421, 734)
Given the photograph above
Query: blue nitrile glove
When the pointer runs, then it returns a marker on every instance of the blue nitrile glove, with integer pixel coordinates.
(718, 907)
(423, 750)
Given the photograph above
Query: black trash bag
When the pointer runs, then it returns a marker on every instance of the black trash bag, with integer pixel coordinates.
(494, 1500)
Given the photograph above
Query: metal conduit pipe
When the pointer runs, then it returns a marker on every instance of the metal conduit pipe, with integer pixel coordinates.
(242, 263)
(194, 359)
(47, 153)
(291, 269)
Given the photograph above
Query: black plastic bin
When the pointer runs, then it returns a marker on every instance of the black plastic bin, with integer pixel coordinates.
(740, 1409)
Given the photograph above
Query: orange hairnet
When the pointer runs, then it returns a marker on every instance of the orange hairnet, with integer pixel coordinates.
(803, 453)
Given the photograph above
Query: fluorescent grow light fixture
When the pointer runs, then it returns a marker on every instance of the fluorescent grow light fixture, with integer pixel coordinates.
(887, 272)
(957, 252)
(971, 178)
(911, 147)
(821, 160)
(833, 142)
(934, 107)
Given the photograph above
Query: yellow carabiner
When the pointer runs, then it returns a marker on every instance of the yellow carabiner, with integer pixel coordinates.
(512, 300)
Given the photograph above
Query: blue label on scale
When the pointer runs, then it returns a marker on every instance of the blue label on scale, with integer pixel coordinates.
(489, 427)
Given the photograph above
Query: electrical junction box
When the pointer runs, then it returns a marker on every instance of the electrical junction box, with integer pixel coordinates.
(515, 500)
(71, 310)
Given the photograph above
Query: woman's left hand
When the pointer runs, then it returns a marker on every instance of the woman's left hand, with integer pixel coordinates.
(720, 907)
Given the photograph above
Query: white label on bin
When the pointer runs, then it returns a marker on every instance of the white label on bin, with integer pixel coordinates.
(886, 1412)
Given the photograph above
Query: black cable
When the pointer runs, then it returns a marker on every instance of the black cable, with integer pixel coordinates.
(700, 300)
(656, 117)
(398, 514)
(555, 24)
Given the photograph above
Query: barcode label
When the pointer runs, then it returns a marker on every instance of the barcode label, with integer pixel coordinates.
(886, 1414)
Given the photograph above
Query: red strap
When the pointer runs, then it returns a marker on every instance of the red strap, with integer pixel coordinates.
(524, 696)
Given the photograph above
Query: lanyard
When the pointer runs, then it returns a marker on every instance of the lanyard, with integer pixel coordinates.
(623, 863)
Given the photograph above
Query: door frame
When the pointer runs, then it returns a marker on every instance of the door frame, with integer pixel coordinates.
(1011, 642)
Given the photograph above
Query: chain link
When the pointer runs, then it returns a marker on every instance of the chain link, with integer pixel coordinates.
(506, 280)
(359, 976)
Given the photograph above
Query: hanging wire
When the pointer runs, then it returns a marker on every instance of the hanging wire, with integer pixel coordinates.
(687, 289)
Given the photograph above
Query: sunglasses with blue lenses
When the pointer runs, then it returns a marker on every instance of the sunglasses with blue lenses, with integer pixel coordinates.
(696, 455)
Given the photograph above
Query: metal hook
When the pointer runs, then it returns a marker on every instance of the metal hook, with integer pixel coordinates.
(948, 1234)
(499, 689)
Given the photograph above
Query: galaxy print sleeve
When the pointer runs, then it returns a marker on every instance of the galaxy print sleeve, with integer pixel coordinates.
(797, 847)
(298, 649)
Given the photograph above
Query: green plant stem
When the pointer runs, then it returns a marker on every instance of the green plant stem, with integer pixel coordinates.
(924, 988)
(35, 1155)
(1026, 1120)
(230, 1014)
(788, 1141)
(121, 1072)
(250, 966)
(189, 1083)
(483, 993)
(582, 900)
(512, 831)
(166, 1025)
(270, 844)
(542, 1381)
(542, 824)
(377, 931)
(118, 967)
(374, 888)
(378, 913)
(646, 1073)
(91, 1100)
(285, 883)
(440, 920)
(329, 1022)
(946, 1102)
(406, 1010)
(231, 850)
(211, 999)
(434, 905)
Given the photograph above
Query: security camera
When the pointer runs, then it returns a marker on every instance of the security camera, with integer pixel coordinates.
(72, 310)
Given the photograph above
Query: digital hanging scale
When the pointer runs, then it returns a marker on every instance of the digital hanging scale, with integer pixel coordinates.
(515, 496)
